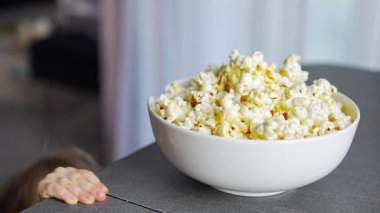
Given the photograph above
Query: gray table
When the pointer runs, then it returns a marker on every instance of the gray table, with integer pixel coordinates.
(147, 177)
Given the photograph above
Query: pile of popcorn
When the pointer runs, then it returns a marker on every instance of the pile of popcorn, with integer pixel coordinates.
(248, 98)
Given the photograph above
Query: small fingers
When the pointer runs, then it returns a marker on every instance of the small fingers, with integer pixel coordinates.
(85, 185)
(100, 196)
(45, 185)
(68, 197)
(89, 189)
(41, 188)
(99, 190)
(90, 176)
(63, 171)
(59, 192)
(63, 181)
(74, 177)
(82, 196)
(72, 185)
(103, 188)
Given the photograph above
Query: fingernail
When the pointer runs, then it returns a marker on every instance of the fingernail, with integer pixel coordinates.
(90, 198)
(73, 200)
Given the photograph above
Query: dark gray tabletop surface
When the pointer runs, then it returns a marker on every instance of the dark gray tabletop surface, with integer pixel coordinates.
(147, 177)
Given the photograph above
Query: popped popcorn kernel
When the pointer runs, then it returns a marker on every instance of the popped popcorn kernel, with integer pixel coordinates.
(249, 98)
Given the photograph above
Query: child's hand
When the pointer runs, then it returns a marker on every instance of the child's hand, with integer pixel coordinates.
(72, 185)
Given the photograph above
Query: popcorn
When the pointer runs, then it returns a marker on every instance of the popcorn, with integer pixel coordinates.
(248, 98)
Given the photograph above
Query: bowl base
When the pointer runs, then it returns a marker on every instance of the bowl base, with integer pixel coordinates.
(249, 194)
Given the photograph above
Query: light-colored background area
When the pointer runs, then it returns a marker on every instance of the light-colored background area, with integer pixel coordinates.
(160, 41)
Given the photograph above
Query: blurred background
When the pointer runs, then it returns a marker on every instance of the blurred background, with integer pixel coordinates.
(79, 72)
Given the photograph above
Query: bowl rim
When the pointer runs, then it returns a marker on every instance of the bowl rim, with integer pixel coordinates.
(259, 141)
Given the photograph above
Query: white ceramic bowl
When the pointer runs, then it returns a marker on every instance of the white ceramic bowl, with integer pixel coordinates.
(254, 167)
